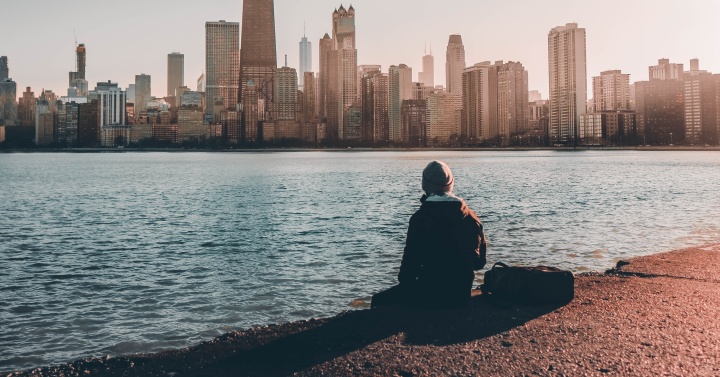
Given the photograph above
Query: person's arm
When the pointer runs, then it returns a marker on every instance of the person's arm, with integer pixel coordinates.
(410, 265)
(481, 249)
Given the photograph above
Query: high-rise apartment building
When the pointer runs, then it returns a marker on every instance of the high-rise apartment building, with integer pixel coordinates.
(175, 73)
(568, 81)
(326, 70)
(611, 91)
(111, 101)
(513, 111)
(701, 106)
(286, 93)
(414, 122)
(480, 90)
(665, 70)
(660, 105)
(305, 60)
(427, 76)
(142, 93)
(400, 89)
(222, 62)
(455, 64)
(374, 100)
(258, 64)
(443, 117)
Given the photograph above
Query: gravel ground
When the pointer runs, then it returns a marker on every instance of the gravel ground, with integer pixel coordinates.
(654, 316)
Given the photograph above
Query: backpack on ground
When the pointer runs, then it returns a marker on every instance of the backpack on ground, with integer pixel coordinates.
(529, 285)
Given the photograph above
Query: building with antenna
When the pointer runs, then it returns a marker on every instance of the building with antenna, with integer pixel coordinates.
(286, 93)
(305, 60)
(427, 75)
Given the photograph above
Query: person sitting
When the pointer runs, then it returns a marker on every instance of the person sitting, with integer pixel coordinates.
(445, 244)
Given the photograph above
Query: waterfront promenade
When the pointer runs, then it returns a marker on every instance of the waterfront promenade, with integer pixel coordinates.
(656, 315)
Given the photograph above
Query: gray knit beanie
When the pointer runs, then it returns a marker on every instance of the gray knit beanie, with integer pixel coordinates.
(437, 178)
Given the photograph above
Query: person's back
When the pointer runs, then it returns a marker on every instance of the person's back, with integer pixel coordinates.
(445, 245)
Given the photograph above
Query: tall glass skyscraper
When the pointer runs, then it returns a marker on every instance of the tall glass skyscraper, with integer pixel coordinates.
(305, 60)
(258, 57)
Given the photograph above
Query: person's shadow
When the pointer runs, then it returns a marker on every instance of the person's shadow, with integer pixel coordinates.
(355, 330)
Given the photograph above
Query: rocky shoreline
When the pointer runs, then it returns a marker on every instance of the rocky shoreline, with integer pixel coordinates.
(654, 315)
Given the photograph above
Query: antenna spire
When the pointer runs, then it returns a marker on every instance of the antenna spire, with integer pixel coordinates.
(286, 60)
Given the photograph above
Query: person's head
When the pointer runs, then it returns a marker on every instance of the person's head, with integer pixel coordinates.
(437, 178)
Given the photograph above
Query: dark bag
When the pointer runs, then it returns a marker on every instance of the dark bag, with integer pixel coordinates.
(531, 285)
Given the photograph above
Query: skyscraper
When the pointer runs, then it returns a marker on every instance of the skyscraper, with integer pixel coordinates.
(258, 62)
(455, 64)
(344, 43)
(142, 93)
(8, 95)
(77, 78)
(375, 122)
(701, 115)
(222, 54)
(480, 99)
(513, 104)
(400, 89)
(427, 76)
(175, 73)
(305, 60)
(286, 93)
(568, 81)
(611, 91)
(4, 70)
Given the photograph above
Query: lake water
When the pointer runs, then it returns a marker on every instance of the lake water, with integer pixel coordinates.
(138, 252)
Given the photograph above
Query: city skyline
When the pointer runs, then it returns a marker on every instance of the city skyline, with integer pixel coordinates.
(633, 40)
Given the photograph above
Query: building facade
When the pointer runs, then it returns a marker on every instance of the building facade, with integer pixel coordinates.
(175, 73)
(443, 118)
(286, 94)
(427, 76)
(568, 81)
(258, 61)
(375, 108)
(143, 95)
(701, 113)
(611, 91)
(305, 60)
(222, 65)
(455, 64)
(400, 89)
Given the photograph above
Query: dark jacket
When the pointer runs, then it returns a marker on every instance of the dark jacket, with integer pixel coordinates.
(445, 245)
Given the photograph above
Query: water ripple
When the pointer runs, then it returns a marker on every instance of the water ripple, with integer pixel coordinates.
(122, 253)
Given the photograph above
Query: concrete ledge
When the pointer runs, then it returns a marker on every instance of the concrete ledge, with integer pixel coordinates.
(657, 315)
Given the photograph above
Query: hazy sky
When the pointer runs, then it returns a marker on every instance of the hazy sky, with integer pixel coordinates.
(129, 37)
